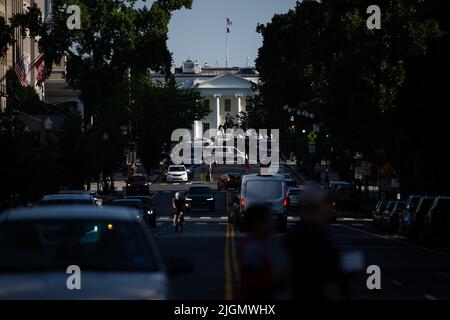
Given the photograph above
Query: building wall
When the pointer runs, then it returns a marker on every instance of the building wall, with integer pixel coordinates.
(8, 8)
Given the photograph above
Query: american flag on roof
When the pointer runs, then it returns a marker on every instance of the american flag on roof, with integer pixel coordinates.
(229, 24)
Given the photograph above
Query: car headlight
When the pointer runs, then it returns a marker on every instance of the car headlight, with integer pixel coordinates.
(149, 211)
(210, 199)
(188, 199)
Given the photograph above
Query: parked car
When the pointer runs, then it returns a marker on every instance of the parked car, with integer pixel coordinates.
(200, 196)
(416, 225)
(67, 199)
(231, 180)
(115, 252)
(137, 185)
(379, 212)
(392, 215)
(150, 209)
(135, 204)
(405, 216)
(269, 190)
(177, 173)
(294, 197)
(437, 220)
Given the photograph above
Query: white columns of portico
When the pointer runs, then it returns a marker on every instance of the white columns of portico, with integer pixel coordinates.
(217, 96)
(239, 103)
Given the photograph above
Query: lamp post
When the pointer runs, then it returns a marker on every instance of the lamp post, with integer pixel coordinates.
(48, 125)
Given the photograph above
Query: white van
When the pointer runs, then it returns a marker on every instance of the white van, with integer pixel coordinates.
(223, 155)
(267, 190)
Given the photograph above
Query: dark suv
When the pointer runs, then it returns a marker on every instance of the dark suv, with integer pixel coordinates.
(137, 184)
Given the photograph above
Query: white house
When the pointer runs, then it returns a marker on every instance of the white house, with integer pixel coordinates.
(226, 91)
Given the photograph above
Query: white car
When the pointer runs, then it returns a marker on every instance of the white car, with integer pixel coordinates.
(177, 173)
(268, 190)
(114, 251)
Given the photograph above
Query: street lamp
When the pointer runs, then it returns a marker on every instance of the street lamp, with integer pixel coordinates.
(48, 124)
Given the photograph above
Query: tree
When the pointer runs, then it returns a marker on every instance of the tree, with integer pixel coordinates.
(160, 109)
(321, 57)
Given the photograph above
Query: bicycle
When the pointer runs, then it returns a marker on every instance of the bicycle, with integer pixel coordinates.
(179, 222)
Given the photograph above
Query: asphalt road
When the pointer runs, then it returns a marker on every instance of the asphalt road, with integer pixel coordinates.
(408, 270)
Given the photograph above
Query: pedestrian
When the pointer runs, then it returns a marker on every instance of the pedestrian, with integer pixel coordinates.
(315, 269)
(256, 277)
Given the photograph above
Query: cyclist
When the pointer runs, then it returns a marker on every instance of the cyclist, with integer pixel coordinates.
(178, 204)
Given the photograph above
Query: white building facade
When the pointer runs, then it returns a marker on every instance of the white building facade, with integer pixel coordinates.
(225, 91)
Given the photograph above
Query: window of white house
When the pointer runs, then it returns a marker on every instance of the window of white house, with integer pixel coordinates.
(227, 105)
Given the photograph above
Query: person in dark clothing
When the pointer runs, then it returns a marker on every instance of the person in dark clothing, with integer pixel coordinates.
(316, 272)
(256, 277)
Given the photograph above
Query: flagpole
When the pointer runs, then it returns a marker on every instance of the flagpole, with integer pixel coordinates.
(226, 43)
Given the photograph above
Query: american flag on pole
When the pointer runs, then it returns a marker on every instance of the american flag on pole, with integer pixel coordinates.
(22, 71)
(229, 24)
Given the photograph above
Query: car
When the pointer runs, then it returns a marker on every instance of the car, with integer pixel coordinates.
(437, 220)
(190, 170)
(200, 196)
(67, 199)
(130, 204)
(294, 197)
(177, 173)
(377, 217)
(291, 183)
(137, 184)
(224, 154)
(150, 209)
(391, 216)
(345, 195)
(405, 216)
(231, 180)
(269, 190)
(416, 226)
(115, 252)
(92, 193)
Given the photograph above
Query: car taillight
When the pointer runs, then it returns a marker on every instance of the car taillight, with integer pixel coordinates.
(333, 204)
(242, 202)
(285, 202)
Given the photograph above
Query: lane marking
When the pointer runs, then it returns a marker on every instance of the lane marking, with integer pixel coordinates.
(227, 266)
(430, 297)
(405, 243)
(397, 283)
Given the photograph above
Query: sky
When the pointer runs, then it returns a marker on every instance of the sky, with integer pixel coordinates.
(199, 33)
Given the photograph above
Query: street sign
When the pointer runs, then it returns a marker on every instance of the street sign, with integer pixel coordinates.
(312, 148)
(365, 168)
(358, 173)
(312, 137)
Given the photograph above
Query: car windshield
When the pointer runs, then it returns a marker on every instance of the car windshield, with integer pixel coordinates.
(128, 204)
(200, 190)
(177, 169)
(264, 189)
(92, 245)
(137, 179)
(62, 202)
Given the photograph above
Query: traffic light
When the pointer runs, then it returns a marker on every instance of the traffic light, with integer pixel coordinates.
(327, 136)
(293, 126)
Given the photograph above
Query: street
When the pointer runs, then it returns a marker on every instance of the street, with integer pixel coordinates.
(408, 271)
